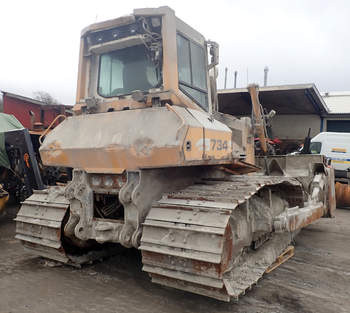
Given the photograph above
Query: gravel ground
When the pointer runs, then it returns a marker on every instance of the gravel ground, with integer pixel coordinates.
(316, 279)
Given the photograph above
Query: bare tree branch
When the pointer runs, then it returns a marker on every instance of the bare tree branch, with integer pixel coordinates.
(45, 97)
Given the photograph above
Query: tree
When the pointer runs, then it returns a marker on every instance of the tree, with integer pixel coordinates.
(45, 97)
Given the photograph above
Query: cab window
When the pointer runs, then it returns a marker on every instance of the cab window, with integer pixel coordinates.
(192, 68)
(315, 147)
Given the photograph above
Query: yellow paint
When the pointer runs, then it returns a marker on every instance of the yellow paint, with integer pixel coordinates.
(342, 150)
(193, 144)
(218, 144)
(341, 161)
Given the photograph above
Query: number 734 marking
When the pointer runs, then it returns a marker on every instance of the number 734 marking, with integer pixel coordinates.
(218, 144)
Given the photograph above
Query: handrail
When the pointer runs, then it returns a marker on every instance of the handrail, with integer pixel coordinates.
(47, 129)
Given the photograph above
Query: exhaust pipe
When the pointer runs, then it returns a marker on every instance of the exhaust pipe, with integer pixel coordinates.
(266, 71)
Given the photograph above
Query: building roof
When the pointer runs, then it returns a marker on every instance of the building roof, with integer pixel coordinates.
(33, 101)
(338, 102)
(284, 99)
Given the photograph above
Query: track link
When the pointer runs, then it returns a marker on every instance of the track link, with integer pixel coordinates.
(39, 223)
(187, 238)
(39, 226)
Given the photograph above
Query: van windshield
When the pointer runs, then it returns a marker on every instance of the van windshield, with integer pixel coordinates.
(315, 147)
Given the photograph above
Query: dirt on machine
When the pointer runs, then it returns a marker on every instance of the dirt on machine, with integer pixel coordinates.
(159, 169)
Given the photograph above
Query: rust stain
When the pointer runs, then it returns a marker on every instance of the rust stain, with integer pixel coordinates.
(227, 249)
(200, 267)
(298, 222)
(342, 195)
(197, 267)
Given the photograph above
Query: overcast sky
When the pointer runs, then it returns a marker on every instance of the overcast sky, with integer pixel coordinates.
(300, 41)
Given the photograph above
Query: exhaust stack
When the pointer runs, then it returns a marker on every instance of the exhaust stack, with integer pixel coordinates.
(266, 71)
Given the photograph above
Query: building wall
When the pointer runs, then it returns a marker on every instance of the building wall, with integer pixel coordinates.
(337, 102)
(20, 109)
(295, 126)
(49, 116)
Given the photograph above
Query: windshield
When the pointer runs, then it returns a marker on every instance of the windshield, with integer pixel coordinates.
(315, 147)
(126, 70)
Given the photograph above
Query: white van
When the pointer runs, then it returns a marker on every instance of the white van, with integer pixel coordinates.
(336, 147)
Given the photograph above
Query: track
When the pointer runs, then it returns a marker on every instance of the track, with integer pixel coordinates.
(199, 239)
(39, 223)
(188, 238)
(39, 226)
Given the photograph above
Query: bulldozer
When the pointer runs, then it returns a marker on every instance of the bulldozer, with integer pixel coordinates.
(156, 167)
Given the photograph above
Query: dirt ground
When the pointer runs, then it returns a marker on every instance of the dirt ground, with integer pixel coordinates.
(316, 279)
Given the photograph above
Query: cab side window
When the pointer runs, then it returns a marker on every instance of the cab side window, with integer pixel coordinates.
(315, 147)
(192, 68)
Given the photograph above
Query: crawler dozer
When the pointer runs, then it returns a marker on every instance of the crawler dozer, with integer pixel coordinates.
(158, 168)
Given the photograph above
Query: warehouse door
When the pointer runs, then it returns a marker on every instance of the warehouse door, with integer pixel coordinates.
(342, 126)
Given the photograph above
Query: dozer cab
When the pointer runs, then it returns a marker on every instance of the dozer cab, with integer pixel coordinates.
(158, 168)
